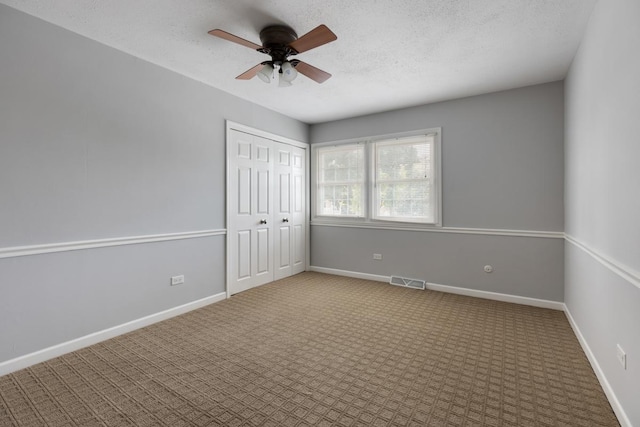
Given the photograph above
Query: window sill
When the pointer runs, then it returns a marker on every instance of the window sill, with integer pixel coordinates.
(369, 223)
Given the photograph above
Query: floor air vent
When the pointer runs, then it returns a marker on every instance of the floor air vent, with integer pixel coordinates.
(407, 283)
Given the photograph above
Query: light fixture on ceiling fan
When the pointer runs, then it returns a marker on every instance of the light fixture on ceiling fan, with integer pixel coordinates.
(286, 73)
(280, 42)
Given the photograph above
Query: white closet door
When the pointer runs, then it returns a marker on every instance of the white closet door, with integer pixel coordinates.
(289, 211)
(266, 212)
(250, 201)
(282, 208)
(299, 211)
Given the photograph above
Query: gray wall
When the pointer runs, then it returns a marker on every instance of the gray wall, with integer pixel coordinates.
(97, 144)
(603, 194)
(502, 168)
(528, 267)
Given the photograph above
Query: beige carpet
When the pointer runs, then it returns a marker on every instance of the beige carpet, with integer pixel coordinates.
(320, 350)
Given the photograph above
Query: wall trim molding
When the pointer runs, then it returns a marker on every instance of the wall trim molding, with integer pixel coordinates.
(608, 390)
(535, 302)
(454, 230)
(17, 251)
(618, 268)
(48, 353)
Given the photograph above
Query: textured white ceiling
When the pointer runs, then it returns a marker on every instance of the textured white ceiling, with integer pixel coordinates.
(389, 53)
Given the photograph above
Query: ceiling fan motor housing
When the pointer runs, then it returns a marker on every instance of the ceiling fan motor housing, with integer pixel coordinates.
(275, 42)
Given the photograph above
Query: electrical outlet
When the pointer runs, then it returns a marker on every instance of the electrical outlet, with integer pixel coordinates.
(177, 280)
(377, 257)
(622, 356)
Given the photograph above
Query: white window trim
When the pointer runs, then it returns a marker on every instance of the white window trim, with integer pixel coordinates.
(369, 172)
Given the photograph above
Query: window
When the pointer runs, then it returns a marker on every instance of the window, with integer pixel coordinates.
(382, 180)
(403, 179)
(341, 180)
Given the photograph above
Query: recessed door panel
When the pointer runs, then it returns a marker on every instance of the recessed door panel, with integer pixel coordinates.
(244, 254)
(262, 153)
(298, 198)
(263, 251)
(262, 192)
(285, 245)
(284, 192)
(244, 191)
(285, 158)
(244, 150)
(298, 244)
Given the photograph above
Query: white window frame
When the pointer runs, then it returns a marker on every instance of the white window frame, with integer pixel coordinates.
(368, 195)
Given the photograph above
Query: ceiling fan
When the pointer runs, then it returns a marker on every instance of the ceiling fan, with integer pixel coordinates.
(280, 42)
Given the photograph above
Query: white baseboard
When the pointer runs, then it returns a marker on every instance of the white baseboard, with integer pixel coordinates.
(27, 360)
(347, 273)
(554, 305)
(613, 400)
(496, 296)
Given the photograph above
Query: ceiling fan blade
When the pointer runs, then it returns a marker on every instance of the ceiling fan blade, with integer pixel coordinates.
(314, 38)
(250, 73)
(312, 72)
(230, 37)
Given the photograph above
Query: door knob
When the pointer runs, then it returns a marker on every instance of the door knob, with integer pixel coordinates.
(285, 220)
(263, 221)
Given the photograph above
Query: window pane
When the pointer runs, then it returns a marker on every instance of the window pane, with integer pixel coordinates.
(404, 199)
(340, 200)
(340, 180)
(403, 187)
(403, 161)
